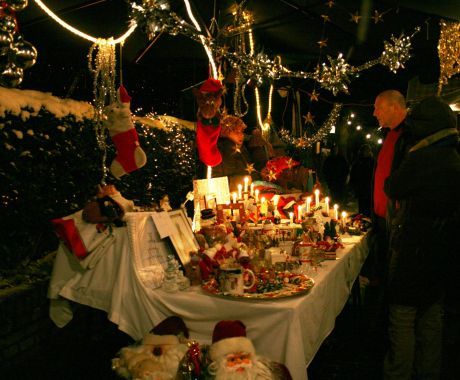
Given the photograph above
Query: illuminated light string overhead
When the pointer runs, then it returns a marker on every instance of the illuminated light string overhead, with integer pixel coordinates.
(203, 40)
(369, 136)
(264, 124)
(79, 33)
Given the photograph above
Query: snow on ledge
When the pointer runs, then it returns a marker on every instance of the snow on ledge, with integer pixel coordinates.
(15, 101)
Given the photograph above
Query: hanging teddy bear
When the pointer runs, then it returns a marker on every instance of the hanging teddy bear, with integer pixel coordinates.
(209, 99)
(130, 155)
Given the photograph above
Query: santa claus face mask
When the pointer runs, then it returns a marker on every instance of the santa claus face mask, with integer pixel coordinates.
(238, 362)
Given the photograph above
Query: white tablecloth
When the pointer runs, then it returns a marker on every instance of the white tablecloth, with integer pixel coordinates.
(288, 330)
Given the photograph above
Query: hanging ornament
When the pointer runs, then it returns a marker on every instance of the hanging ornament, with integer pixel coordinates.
(17, 5)
(6, 39)
(355, 17)
(8, 23)
(25, 54)
(101, 62)
(448, 52)
(336, 76)
(11, 76)
(397, 52)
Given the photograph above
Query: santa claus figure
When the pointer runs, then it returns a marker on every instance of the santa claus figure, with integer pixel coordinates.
(158, 355)
(233, 356)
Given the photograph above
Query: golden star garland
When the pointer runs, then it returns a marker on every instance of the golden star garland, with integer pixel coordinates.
(304, 141)
(448, 51)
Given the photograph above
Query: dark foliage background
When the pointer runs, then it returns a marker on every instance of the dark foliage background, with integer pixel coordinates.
(51, 167)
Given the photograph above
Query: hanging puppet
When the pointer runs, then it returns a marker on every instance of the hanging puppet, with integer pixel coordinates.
(209, 99)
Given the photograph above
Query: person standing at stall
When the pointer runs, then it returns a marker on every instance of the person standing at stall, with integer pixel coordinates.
(423, 252)
(390, 110)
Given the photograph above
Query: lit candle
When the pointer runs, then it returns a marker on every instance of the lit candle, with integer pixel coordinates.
(252, 189)
(291, 217)
(256, 192)
(263, 206)
(300, 211)
(326, 201)
(308, 204)
(234, 196)
(316, 198)
(336, 211)
(240, 191)
(344, 218)
(246, 182)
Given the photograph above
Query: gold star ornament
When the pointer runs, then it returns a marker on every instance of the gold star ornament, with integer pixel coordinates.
(355, 17)
(308, 118)
(271, 176)
(330, 3)
(326, 18)
(377, 17)
(250, 168)
(322, 43)
(314, 96)
(236, 149)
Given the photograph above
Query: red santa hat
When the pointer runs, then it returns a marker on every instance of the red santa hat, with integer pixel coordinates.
(229, 337)
(166, 332)
(123, 95)
(211, 85)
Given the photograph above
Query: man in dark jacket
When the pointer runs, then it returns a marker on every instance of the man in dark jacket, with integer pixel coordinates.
(424, 242)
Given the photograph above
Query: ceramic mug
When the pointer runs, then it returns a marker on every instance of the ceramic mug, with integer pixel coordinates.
(232, 280)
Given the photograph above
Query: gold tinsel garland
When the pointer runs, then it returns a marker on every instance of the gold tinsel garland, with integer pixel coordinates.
(448, 51)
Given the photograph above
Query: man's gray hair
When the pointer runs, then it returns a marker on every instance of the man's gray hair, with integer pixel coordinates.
(393, 97)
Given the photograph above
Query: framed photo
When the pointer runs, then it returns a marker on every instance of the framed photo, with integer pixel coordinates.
(182, 238)
(232, 211)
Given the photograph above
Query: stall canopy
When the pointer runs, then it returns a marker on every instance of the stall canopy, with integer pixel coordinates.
(292, 29)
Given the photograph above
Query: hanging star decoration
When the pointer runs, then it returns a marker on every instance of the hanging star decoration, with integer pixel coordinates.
(330, 3)
(314, 96)
(397, 52)
(250, 168)
(355, 17)
(322, 43)
(272, 176)
(326, 18)
(236, 149)
(308, 118)
(290, 163)
(377, 17)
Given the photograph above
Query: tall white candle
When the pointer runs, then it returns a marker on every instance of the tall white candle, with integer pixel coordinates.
(308, 204)
(316, 198)
(246, 182)
(252, 189)
(326, 201)
(234, 196)
(256, 194)
(344, 218)
(291, 217)
(240, 191)
(336, 211)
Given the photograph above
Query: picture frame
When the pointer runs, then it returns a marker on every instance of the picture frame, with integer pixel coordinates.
(183, 239)
(234, 211)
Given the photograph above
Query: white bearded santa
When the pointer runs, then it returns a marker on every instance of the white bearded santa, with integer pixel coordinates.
(233, 356)
(158, 355)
